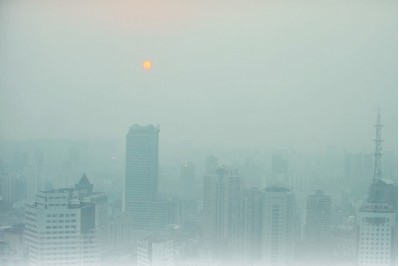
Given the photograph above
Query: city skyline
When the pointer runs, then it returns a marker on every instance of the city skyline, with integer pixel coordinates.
(199, 133)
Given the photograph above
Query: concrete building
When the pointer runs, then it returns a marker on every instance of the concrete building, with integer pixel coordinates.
(155, 251)
(187, 184)
(222, 214)
(278, 226)
(252, 224)
(119, 233)
(376, 223)
(141, 183)
(317, 228)
(155, 215)
(100, 200)
(148, 212)
(60, 229)
(13, 187)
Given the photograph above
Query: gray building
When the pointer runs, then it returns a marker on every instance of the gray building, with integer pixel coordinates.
(222, 214)
(317, 229)
(147, 210)
(252, 224)
(155, 251)
(278, 226)
(376, 239)
(141, 183)
(60, 229)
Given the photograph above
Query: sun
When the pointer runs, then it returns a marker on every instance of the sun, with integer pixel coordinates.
(147, 64)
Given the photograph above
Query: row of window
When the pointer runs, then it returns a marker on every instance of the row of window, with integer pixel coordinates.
(60, 227)
(61, 215)
(59, 232)
(56, 205)
(62, 237)
(60, 221)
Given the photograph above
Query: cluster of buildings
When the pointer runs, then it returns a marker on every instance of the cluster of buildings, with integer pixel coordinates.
(228, 225)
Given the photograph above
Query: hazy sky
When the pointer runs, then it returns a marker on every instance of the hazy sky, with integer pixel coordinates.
(268, 73)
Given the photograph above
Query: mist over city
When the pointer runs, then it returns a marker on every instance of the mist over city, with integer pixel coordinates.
(187, 133)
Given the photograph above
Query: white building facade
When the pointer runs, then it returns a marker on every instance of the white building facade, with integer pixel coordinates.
(60, 230)
(155, 252)
(376, 224)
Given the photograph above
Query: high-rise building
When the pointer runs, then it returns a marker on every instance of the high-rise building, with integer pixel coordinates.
(13, 187)
(252, 224)
(222, 214)
(141, 183)
(155, 251)
(60, 229)
(377, 219)
(187, 181)
(148, 212)
(278, 226)
(376, 235)
(155, 215)
(100, 199)
(317, 229)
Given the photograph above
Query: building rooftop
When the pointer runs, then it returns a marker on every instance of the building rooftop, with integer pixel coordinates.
(277, 189)
(377, 207)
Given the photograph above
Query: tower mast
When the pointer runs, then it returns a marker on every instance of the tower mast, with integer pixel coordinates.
(378, 149)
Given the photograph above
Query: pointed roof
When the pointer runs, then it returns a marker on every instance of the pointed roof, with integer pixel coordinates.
(84, 180)
(85, 184)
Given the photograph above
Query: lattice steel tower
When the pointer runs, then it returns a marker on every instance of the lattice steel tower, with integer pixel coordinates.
(378, 150)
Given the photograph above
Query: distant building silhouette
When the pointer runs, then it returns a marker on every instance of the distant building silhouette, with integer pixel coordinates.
(278, 226)
(222, 210)
(211, 164)
(148, 212)
(317, 229)
(141, 183)
(187, 181)
(252, 224)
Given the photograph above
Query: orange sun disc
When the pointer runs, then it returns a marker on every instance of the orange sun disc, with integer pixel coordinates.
(147, 65)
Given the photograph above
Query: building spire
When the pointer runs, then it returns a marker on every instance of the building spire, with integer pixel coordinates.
(378, 149)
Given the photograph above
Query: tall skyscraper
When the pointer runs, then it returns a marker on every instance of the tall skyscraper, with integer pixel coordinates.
(252, 224)
(317, 229)
(222, 210)
(148, 212)
(278, 226)
(187, 181)
(61, 229)
(141, 183)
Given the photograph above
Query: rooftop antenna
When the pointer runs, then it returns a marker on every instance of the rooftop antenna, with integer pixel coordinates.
(378, 149)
